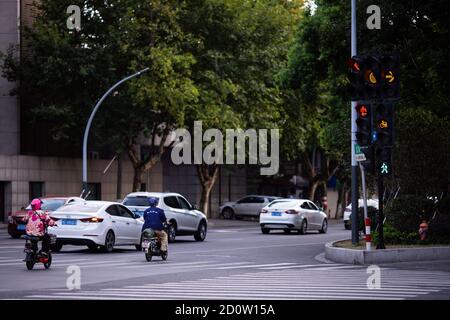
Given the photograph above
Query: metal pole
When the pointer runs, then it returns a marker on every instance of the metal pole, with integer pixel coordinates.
(119, 177)
(354, 189)
(366, 221)
(88, 126)
(380, 244)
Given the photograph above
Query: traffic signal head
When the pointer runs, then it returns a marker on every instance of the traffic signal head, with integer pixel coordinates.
(390, 89)
(364, 124)
(384, 124)
(356, 77)
(373, 77)
(384, 161)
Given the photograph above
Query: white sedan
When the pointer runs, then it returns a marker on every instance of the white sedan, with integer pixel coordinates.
(96, 223)
(184, 218)
(289, 214)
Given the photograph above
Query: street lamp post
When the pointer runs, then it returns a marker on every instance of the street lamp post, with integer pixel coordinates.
(88, 126)
(354, 189)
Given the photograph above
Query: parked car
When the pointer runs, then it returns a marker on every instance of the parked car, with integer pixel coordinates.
(249, 206)
(96, 223)
(16, 226)
(292, 214)
(184, 218)
(348, 211)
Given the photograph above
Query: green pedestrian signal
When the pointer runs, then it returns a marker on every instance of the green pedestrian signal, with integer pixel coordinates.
(384, 168)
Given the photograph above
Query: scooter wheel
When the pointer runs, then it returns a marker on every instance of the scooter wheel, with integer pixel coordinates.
(30, 265)
(148, 256)
(49, 261)
(164, 256)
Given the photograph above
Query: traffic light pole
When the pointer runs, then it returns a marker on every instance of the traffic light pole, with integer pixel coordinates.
(380, 244)
(354, 189)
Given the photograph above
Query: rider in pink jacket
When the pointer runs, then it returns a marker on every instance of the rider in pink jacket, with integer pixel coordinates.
(37, 223)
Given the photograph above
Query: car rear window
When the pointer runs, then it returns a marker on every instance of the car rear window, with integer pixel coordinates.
(141, 201)
(283, 204)
(87, 208)
(50, 205)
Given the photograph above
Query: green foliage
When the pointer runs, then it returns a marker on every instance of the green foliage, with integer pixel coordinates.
(407, 211)
(422, 152)
(394, 237)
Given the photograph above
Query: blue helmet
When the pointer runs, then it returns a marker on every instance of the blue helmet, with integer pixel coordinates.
(152, 202)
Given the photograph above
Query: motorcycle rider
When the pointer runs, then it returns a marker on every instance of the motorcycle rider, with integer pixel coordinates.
(155, 219)
(37, 223)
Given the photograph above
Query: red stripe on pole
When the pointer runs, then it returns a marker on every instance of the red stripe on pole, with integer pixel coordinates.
(368, 238)
(367, 222)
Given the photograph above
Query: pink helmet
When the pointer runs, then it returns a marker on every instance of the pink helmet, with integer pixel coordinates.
(36, 204)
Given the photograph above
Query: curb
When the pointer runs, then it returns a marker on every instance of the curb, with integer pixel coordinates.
(364, 257)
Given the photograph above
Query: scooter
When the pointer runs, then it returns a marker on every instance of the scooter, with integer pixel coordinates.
(152, 247)
(33, 255)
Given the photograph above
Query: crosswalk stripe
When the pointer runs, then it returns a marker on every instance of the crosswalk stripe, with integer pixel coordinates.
(256, 266)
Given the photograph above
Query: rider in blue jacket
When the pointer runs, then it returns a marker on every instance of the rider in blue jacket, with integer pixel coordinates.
(154, 219)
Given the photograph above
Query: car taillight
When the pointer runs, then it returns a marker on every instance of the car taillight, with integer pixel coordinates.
(93, 219)
(291, 211)
(264, 211)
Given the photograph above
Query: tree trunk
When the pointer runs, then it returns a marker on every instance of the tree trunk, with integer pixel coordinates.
(137, 179)
(207, 175)
(312, 189)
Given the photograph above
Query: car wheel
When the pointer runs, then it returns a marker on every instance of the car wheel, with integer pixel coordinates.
(324, 226)
(303, 227)
(265, 230)
(228, 213)
(109, 242)
(172, 232)
(57, 247)
(200, 234)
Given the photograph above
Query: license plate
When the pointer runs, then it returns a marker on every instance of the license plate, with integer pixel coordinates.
(69, 222)
(276, 214)
(21, 227)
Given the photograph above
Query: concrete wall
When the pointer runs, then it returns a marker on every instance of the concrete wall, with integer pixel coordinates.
(62, 176)
(9, 109)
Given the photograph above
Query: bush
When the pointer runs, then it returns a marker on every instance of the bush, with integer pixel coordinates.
(407, 211)
(395, 237)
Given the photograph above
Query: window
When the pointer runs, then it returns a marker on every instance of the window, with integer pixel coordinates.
(313, 206)
(305, 206)
(140, 201)
(184, 204)
(36, 190)
(171, 201)
(112, 210)
(87, 208)
(124, 212)
(244, 200)
(258, 200)
(284, 204)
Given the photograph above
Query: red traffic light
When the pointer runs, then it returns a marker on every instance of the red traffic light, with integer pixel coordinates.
(354, 65)
(362, 110)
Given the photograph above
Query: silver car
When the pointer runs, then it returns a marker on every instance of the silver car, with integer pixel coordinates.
(293, 214)
(185, 219)
(249, 206)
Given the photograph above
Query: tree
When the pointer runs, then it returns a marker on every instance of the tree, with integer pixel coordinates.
(239, 47)
(63, 72)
